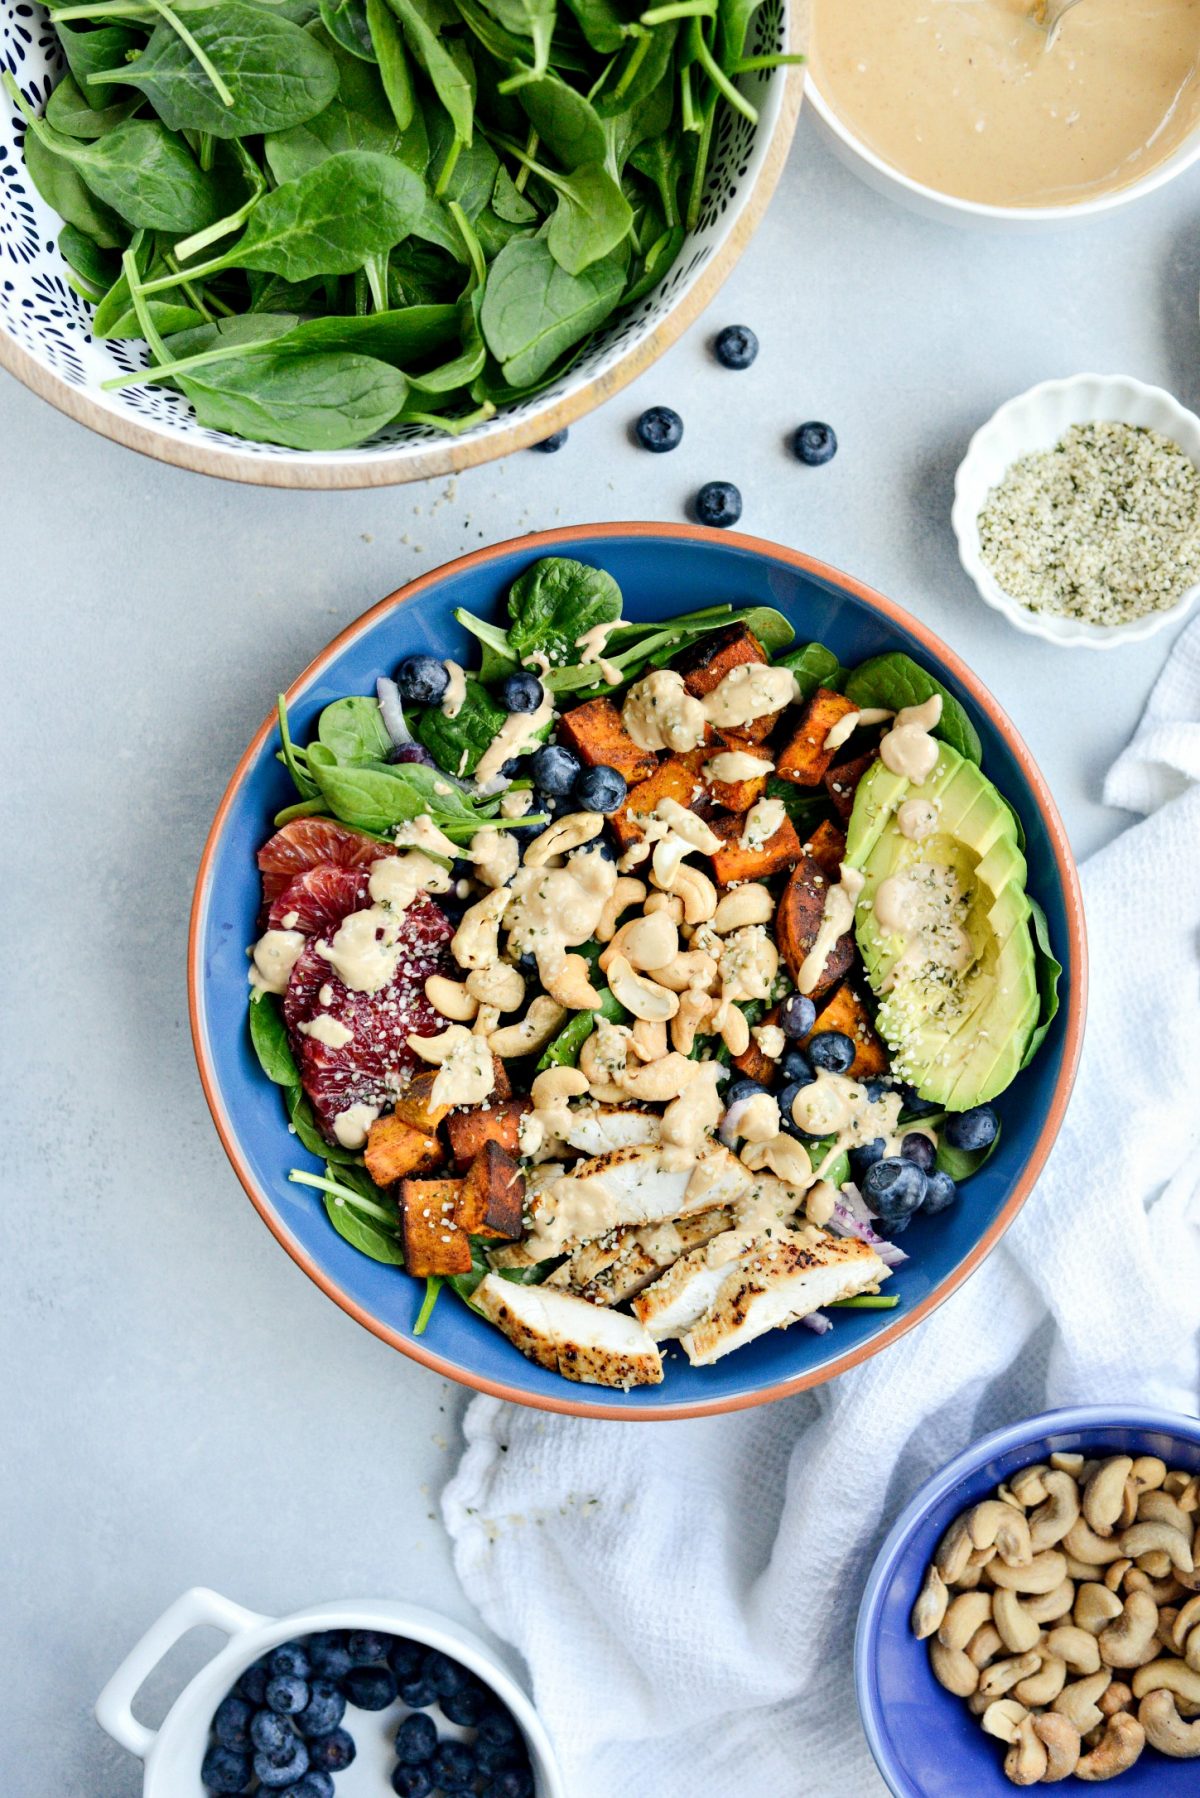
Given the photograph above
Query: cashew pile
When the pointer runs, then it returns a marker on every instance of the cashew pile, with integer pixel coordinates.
(1066, 1611)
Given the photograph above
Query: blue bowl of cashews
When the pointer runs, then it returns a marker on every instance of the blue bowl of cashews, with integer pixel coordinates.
(1015, 1669)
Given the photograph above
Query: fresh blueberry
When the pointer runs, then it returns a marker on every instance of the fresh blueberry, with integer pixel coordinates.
(875, 1089)
(405, 1657)
(291, 1658)
(276, 1770)
(271, 1733)
(521, 692)
(787, 1099)
(332, 1753)
(659, 430)
(231, 1723)
(814, 443)
(497, 1730)
(914, 1106)
(797, 1016)
(443, 1674)
(832, 1051)
(454, 1768)
(313, 1785)
(416, 1739)
(548, 445)
(370, 1688)
(511, 768)
(940, 1192)
(973, 1129)
(225, 1770)
(512, 1782)
(417, 1693)
(735, 347)
(601, 789)
(325, 1708)
(918, 1148)
(252, 1686)
(894, 1189)
(411, 752)
(737, 1090)
(794, 1067)
(412, 1782)
(287, 1694)
(422, 680)
(718, 504)
(464, 1707)
(366, 1646)
(865, 1156)
(327, 1651)
(555, 769)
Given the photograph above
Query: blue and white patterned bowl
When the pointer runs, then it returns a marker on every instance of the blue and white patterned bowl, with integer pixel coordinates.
(46, 341)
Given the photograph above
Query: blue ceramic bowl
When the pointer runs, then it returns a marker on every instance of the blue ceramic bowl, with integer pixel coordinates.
(925, 1741)
(662, 570)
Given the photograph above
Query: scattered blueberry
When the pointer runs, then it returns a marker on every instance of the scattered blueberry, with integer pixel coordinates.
(521, 692)
(231, 1722)
(287, 1694)
(444, 1675)
(511, 768)
(224, 1770)
(798, 1016)
(555, 769)
(497, 1730)
(548, 445)
(412, 1782)
(894, 1189)
(422, 680)
(718, 504)
(918, 1148)
(332, 1753)
(512, 1782)
(601, 789)
(832, 1051)
(411, 752)
(865, 1156)
(370, 1688)
(973, 1129)
(405, 1657)
(914, 1106)
(794, 1067)
(815, 443)
(659, 430)
(325, 1708)
(940, 1192)
(271, 1733)
(416, 1739)
(417, 1693)
(253, 1684)
(312, 1785)
(454, 1768)
(735, 347)
(465, 1706)
(737, 1090)
(276, 1770)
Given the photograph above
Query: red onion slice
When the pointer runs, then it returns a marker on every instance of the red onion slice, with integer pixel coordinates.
(391, 710)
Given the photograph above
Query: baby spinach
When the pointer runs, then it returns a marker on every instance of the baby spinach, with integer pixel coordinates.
(554, 602)
(323, 401)
(268, 1033)
(456, 744)
(303, 1121)
(497, 658)
(533, 309)
(564, 1049)
(69, 110)
(1049, 971)
(896, 681)
(960, 1164)
(358, 1211)
(353, 730)
(813, 666)
(346, 23)
(63, 187)
(592, 217)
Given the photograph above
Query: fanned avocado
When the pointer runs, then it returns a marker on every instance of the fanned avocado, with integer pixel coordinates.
(957, 983)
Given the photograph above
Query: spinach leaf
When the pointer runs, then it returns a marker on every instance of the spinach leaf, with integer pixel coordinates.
(353, 730)
(771, 628)
(960, 1164)
(310, 401)
(357, 1209)
(451, 80)
(895, 681)
(533, 309)
(63, 188)
(89, 261)
(398, 338)
(378, 798)
(363, 1233)
(346, 23)
(591, 218)
(813, 666)
(69, 110)
(602, 24)
(1049, 971)
(532, 19)
(508, 202)
(308, 1135)
(359, 118)
(553, 603)
(497, 658)
(394, 71)
(90, 50)
(276, 73)
(805, 808)
(564, 1049)
(456, 744)
(268, 1033)
(565, 121)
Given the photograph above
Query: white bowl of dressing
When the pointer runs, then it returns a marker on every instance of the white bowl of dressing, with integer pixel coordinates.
(911, 117)
(1035, 421)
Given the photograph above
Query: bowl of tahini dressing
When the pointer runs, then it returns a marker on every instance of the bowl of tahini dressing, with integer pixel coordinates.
(959, 108)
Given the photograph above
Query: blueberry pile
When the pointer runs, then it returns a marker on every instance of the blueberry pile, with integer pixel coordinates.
(561, 782)
(280, 1731)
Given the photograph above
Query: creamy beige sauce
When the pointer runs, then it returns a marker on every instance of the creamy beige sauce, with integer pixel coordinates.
(520, 730)
(964, 96)
(396, 880)
(908, 749)
(592, 643)
(365, 950)
(556, 909)
(466, 1074)
(456, 692)
(734, 765)
(762, 821)
(926, 909)
(272, 959)
(916, 819)
(515, 805)
(330, 1031)
(836, 919)
(659, 712)
(352, 1125)
(842, 731)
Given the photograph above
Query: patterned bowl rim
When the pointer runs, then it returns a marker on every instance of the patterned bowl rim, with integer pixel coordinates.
(540, 543)
(391, 464)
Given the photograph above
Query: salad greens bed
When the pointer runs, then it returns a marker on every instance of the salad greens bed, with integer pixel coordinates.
(345, 774)
(326, 216)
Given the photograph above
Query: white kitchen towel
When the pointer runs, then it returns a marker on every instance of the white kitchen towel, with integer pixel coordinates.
(685, 1593)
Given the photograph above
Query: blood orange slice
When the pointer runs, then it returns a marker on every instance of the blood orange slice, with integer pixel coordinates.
(307, 842)
(316, 902)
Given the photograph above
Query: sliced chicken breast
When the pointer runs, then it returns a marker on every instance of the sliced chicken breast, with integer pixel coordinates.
(598, 1129)
(565, 1334)
(781, 1282)
(629, 1187)
(618, 1266)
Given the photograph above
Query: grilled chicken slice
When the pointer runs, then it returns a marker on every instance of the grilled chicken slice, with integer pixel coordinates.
(598, 1129)
(582, 1342)
(620, 1265)
(780, 1282)
(629, 1187)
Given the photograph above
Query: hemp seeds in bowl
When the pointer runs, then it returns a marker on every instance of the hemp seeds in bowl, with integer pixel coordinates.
(1077, 511)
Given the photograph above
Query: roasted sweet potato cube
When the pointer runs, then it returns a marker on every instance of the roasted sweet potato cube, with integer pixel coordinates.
(672, 779)
(705, 663)
(754, 1063)
(492, 1199)
(737, 795)
(797, 921)
(415, 1105)
(595, 732)
(434, 1240)
(841, 783)
(846, 1012)
(503, 1087)
(498, 1121)
(395, 1149)
(733, 863)
(827, 847)
(808, 753)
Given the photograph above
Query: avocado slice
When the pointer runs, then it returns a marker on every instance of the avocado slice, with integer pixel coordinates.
(958, 997)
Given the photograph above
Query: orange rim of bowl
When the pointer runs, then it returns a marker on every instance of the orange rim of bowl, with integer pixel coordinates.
(539, 543)
(451, 455)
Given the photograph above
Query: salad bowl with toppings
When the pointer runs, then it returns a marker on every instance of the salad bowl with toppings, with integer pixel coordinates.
(656, 941)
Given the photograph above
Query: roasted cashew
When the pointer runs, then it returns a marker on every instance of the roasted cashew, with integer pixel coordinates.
(1095, 1607)
(1171, 1676)
(954, 1551)
(1043, 1687)
(1026, 1762)
(1048, 1607)
(691, 968)
(1114, 1574)
(1077, 1647)
(564, 834)
(1060, 1739)
(475, 944)
(650, 1039)
(627, 892)
(1119, 1697)
(968, 1613)
(695, 1009)
(1019, 1631)
(749, 904)
(932, 1603)
(1186, 1619)
(1050, 1523)
(1068, 1463)
(1122, 1743)
(1042, 1574)
(1165, 1729)
(1002, 1676)
(1104, 1494)
(569, 983)
(1150, 1538)
(500, 985)
(450, 998)
(734, 1030)
(542, 1021)
(1160, 1507)
(1002, 1719)
(697, 892)
(1162, 1591)
(641, 997)
(996, 1525)
(952, 1669)
(984, 1645)
(1129, 1640)
(668, 902)
(647, 943)
(1079, 1701)
(1028, 1484)
(1082, 1544)
(659, 1080)
(1149, 1472)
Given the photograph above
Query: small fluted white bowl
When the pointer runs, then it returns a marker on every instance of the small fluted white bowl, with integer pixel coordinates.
(1035, 421)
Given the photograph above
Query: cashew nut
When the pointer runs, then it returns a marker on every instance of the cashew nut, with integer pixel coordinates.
(475, 944)
(643, 998)
(1104, 1494)
(499, 985)
(1186, 1618)
(1043, 1573)
(1060, 1739)
(542, 1021)
(1129, 1640)
(735, 1030)
(667, 902)
(954, 1551)
(1119, 1697)
(569, 982)
(1122, 1742)
(1019, 1631)
(1160, 1507)
(749, 904)
(1067, 1463)
(1043, 1687)
(1114, 1574)
(1002, 1719)
(1079, 1701)
(659, 1080)
(564, 834)
(996, 1525)
(1162, 1591)
(1168, 1675)
(1082, 1544)
(650, 1039)
(689, 884)
(1149, 1538)
(952, 1669)
(554, 1086)
(692, 968)
(1002, 1676)
(1050, 1523)
(1165, 1729)
(1095, 1607)
(695, 1009)
(627, 892)
(1076, 1647)
(1149, 1472)
(932, 1602)
(984, 1645)
(450, 998)
(1048, 1607)
(1026, 1761)
(1028, 1484)
(968, 1613)
(646, 943)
